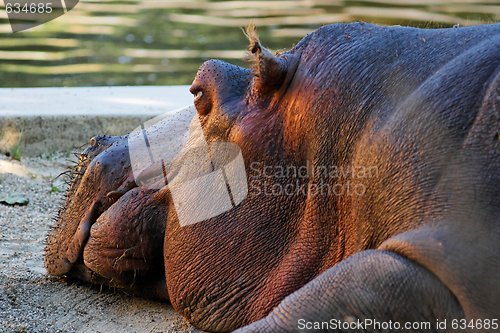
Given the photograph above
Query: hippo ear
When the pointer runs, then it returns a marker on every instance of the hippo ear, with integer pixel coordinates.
(269, 70)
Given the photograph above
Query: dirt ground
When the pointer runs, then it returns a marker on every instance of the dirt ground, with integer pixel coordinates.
(32, 301)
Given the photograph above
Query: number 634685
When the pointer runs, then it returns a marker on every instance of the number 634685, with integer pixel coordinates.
(29, 8)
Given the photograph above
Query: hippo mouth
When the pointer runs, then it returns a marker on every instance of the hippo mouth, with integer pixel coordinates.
(74, 253)
(110, 238)
(115, 243)
(83, 207)
(99, 208)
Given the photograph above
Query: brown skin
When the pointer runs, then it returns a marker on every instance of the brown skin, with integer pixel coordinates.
(113, 236)
(64, 242)
(419, 105)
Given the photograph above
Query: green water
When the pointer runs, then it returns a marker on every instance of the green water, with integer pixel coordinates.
(153, 42)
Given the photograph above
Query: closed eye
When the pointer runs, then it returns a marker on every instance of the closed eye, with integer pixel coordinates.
(196, 91)
(198, 95)
(201, 102)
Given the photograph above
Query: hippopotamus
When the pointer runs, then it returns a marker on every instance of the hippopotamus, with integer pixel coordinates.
(372, 164)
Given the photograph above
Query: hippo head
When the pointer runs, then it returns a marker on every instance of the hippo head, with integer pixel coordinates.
(113, 231)
(304, 121)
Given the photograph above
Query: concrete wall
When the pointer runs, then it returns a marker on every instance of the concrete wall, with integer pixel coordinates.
(48, 120)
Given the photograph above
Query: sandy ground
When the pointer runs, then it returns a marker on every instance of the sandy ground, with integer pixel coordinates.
(32, 301)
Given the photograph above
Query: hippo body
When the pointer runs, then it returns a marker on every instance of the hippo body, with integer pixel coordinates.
(397, 217)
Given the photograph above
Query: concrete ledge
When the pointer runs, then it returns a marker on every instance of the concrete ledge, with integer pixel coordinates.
(47, 120)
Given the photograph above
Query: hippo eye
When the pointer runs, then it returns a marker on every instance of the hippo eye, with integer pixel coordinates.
(198, 95)
(196, 91)
(201, 103)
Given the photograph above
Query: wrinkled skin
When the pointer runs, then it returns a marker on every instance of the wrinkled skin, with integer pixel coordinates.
(422, 240)
(113, 233)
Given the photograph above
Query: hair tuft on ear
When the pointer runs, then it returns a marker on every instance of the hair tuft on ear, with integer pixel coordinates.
(250, 32)
(268, 69)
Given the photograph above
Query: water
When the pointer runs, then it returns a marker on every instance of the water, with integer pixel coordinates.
(152, 42)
